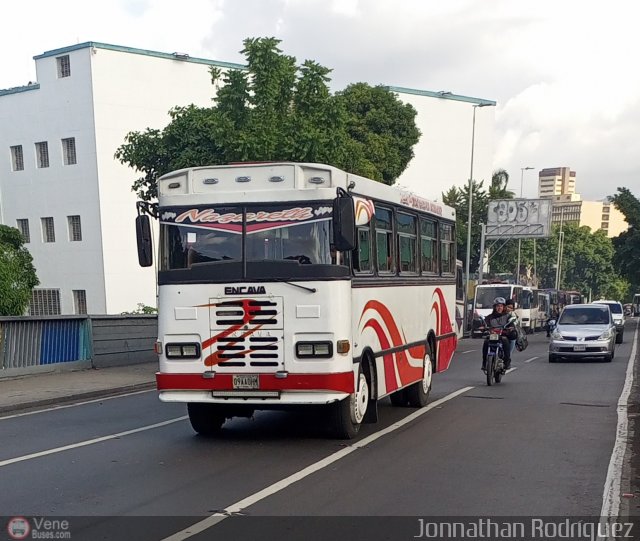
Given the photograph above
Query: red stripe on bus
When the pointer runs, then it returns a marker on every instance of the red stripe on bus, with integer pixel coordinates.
(341, 382)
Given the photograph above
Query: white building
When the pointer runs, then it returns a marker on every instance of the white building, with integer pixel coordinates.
(61, 185)
(559, 185)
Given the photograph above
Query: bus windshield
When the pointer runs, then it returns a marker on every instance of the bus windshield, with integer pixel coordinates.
(288, 233)
(486, 295)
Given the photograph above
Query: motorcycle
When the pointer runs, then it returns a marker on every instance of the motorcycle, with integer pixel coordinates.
(494, 367)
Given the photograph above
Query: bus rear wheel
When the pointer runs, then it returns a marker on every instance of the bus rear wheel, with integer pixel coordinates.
(206, 419)
(349, 413)
(418, 393)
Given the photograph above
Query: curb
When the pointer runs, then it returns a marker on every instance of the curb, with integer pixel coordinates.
(99, 393)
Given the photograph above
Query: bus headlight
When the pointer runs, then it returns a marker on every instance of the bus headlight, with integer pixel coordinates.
(182, 351)
(315, 350)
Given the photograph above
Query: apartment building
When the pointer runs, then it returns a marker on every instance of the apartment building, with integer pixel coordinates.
(559, 184)
(59, 181)
(556, 181)
(62, 187)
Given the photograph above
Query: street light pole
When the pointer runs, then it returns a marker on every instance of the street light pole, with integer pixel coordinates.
(470, 216)
(522, 170)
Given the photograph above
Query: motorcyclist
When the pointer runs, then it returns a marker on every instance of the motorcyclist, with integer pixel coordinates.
(500, 318)
(510, 306)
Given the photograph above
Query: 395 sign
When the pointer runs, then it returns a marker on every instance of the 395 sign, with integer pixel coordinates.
(519, 218)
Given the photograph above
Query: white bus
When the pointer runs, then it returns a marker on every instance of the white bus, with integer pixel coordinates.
(529, 311)
(284, 285)
(636, 304)
(483, 302)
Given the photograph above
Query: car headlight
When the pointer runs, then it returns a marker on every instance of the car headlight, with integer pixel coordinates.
(606, 335)
(556, 335)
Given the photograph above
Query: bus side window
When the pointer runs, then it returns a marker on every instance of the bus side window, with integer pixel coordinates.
(362, 253)
(385, 255)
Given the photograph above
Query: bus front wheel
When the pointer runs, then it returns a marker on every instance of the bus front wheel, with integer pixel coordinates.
(349, 413)
(206, 419)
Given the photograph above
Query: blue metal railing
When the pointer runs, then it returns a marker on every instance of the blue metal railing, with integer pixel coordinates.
(26, 342)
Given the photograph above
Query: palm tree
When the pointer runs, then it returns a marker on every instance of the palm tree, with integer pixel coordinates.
(499, 183)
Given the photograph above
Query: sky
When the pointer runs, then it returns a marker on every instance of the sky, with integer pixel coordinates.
(561, 71)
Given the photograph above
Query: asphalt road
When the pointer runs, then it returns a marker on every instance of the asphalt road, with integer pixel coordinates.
(539, 443)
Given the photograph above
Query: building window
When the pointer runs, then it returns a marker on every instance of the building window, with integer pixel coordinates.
(69, 151)
(45, 302)
(42, 154)
(17, 158)
(48, 231)
(64, 66)
(80, 301)
(23, 226)
(75, 230)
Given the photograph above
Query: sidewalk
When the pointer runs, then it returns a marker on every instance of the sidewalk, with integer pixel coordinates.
(54, 388)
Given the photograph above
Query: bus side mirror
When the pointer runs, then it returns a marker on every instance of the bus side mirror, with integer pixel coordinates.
(344, 224)
(143, 236)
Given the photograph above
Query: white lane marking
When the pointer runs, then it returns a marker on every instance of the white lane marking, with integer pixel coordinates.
(92, 401)
(532, 359)
(470, 351)
(611, 495)
(237, 507)
(89, 442)
(511, 370)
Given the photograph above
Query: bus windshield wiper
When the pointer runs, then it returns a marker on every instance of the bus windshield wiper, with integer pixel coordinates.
(309, 289)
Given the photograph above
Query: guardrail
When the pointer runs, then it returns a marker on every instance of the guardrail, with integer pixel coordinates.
(31, 344)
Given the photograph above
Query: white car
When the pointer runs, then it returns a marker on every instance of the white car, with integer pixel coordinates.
(617, 312)
(583, 331)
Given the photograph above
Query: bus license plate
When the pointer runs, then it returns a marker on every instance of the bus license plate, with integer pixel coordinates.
(246, 381)
(580, 347)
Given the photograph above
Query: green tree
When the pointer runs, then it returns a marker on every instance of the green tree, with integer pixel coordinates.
(17, 273)
(504, 259)
(627, 244)
(587, 262)
(276, 111)
(382, 131)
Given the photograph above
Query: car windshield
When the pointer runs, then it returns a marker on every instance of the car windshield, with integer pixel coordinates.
(585, 316)
(614, 306)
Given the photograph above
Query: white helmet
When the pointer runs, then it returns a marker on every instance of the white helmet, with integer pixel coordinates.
(499, 300)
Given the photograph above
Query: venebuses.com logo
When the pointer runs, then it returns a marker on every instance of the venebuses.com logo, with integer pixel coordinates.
(18, 528)
(38, 528)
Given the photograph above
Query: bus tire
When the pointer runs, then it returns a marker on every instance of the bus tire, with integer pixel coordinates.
(399, 398)
(418, 393)
(349, 412)
(206, 419)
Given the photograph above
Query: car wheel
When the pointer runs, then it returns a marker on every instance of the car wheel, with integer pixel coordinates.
(608, 358)
(552, 358)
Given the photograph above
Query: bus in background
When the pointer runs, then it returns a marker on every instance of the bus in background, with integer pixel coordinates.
(544, 308)
(529, 318)
(636, 304)
(483, 302)
(286, 285)
(461, 300)
(574, 297)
